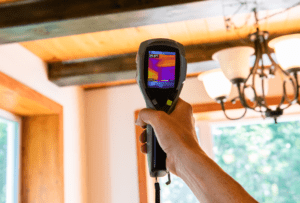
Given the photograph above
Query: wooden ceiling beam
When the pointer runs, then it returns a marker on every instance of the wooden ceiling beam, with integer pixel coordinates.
(123, 67)
(35, 19)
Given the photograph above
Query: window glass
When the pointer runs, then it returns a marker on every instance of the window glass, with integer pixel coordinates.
(177, 191)
(3, 160)
(263, 158)
(9, 160)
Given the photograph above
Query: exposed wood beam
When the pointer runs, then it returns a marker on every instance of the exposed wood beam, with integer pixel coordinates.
(123, 67)
(34, 19)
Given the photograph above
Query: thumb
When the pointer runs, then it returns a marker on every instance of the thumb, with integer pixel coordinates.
(149, 116)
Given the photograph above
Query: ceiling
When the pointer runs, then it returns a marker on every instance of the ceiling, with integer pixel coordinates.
(127, 40)
(124, 42)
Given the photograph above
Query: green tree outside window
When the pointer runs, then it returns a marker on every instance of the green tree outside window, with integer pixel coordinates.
(263, 158)
(3, 161)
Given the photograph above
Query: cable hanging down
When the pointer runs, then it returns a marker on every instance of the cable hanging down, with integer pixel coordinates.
(157, 191)
(157, 188)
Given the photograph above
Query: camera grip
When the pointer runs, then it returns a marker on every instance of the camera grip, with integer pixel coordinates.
(155, 155)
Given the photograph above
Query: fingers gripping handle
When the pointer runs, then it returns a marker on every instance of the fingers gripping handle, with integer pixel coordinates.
(155, 155)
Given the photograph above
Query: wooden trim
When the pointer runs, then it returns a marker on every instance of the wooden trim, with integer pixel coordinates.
(21, 100)
(41, 168)
(141, 160)
(197, 108)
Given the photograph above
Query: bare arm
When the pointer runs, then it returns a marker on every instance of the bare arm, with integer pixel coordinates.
(185, 158)
(208, 181)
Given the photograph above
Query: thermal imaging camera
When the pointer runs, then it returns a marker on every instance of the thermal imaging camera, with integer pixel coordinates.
(161, 72)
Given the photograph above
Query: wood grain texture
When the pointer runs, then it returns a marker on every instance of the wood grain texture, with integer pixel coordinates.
(191, 32)
(35, 19)
(141, 160)
(42, 164)
(90, 57)
(123, 67)
(41, 167)
(21, 100)
(54, 10)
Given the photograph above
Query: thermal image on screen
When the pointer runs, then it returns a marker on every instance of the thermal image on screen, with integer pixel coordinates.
(161, 69)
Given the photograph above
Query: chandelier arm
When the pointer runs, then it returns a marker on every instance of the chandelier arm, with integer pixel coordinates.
(224, 111)
(262, 76)
(276, 66)
(253, 71)
(285, 96)
(262, 115)
(241, 92)
(258, 57)
(298, 86)
(271, 59)
(256, 62)
(295, 86)
(265, 103)
(290, 104)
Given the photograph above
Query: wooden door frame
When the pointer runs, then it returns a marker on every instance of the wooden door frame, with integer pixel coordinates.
(42, 117)
(143, 177)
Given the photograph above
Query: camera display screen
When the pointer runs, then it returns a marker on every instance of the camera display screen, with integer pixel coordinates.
(161, 69)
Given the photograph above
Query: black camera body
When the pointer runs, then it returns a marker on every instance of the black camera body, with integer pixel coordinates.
(161, 72)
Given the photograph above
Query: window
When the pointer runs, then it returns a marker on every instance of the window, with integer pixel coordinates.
(9, 157)
(262, 156)
(177, 191)
(259, 154)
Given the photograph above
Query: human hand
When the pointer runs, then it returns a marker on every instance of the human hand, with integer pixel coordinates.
(175, 132)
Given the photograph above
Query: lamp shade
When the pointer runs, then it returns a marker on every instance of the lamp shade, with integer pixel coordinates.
(234, 61)
(215, 83)
(287, 50)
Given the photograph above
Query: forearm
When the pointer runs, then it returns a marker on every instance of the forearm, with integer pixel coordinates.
(208, 181)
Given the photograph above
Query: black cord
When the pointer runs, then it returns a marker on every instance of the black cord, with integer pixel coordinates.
(157, 188)
(157, 191)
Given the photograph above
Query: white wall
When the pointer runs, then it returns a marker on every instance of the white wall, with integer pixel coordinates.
(110, 130)
(20, 64)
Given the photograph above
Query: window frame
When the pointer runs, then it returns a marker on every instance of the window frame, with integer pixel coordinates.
(41, 118)
(13, 194)
(205, 132)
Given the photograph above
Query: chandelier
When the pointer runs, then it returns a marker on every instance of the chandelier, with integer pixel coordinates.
(252, 82)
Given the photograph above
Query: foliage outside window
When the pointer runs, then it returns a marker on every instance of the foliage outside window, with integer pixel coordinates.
(264, 158)
(3, 161)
